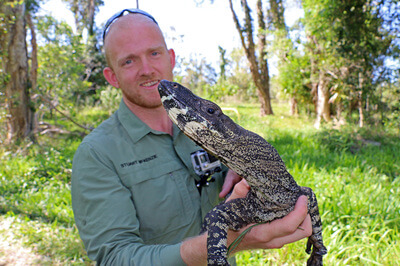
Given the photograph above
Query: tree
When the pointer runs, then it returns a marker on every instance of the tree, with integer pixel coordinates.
(84, 13)
(348, 43)
(197, 74)
(287, 56)
(258, 60)
(61, 79)
(223, 63)
(15, 70)
(294, 80)
(241, 77)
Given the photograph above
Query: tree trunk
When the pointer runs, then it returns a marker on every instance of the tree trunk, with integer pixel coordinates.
(293, 106)
(263, 87)
(84, 14)
(34, 52)
(360, 97)
(323, 110)
(91, 13)
(276, 15)
(19, 118)
(258, 66)
(33, 71)
(284, 46)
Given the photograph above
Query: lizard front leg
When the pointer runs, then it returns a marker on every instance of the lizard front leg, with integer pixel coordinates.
(230, 215)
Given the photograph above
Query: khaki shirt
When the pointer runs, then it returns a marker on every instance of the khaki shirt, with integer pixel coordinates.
(134, 195)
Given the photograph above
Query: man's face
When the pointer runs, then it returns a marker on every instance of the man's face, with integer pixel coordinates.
(138, 59)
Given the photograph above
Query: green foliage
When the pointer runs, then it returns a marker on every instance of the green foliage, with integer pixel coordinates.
(239, 77)
(60, 244)
(61, 63)
(84, 13)
(390, 105)
(348, 43)
(355, 174)
(294, 79)
(35, 194)
(69, 71)
(196, 73)
(234, 83)
(42, 173)
(110, 99)
(219, 91)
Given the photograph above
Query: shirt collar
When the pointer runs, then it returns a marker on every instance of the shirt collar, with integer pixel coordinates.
(135, 127)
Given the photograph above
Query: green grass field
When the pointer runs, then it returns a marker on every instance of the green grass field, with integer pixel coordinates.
(354, 173)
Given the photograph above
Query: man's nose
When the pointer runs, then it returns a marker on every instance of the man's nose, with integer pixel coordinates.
(146, 67)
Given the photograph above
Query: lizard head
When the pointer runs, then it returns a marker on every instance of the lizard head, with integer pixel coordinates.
(201, 120)
(204, 122)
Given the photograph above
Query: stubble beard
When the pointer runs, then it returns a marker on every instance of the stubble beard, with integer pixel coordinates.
(144, 101)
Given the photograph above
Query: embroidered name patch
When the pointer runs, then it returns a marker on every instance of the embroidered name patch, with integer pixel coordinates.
(145, 160)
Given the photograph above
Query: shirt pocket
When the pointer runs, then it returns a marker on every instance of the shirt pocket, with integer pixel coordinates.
(162, 200)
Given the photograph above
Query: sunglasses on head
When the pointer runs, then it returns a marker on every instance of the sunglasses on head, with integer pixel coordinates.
(111, 20)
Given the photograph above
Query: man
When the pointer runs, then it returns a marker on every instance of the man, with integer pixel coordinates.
(133, 184)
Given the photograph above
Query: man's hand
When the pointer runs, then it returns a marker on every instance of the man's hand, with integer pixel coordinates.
(271, 235)
(231, 180)
(291, 228)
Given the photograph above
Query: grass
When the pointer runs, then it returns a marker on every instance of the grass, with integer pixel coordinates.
(35, 195)
(354, 173)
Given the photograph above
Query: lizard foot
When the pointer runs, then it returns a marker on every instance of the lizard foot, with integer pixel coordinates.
(318, 250)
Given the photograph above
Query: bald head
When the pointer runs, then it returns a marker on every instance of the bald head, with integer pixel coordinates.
(133, 24)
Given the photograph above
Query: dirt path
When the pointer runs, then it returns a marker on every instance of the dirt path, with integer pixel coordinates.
(12, 251)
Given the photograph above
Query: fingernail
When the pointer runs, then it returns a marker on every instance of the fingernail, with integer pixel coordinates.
(304, 198)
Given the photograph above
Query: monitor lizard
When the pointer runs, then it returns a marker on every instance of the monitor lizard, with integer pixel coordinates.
(273, 191)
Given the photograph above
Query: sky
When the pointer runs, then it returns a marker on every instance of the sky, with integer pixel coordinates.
(191, 30)
(198, 30)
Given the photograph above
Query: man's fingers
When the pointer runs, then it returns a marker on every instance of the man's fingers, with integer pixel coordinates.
(230, 180)
(226, 188)
(298, 234)
(293, 220)
(240, 190)
(291, 228)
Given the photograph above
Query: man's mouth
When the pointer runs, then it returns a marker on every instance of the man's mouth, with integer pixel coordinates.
(150, 83)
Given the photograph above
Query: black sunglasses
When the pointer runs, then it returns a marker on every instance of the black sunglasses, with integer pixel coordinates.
(122, 13)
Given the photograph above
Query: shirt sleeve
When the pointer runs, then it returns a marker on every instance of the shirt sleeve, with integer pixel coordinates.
(106, 216)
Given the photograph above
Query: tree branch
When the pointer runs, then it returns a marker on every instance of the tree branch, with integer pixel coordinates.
(63, 114)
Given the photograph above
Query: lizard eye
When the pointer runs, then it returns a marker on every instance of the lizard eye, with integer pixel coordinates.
(211, 111)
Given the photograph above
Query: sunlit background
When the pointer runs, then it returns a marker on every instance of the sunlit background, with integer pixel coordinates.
(194, 28)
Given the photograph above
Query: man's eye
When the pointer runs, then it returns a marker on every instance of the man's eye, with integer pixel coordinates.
(129, 61)
(155, 53)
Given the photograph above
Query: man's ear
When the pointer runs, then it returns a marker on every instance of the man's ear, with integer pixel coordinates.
(111, 77)
(172, 57)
